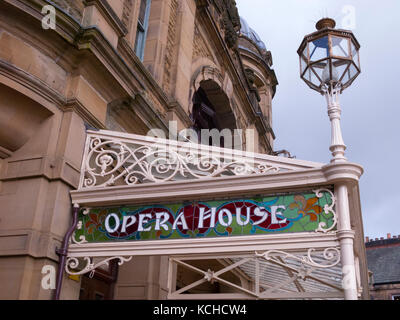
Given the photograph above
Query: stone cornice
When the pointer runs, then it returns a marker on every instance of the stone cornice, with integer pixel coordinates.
(178, 109)
(42, 89)
(93, 40)
(30, 242)
(77, 107)
(33, 83)
(109, 14)
(125, 70)
(67, 26)
(260, 61)
(50, 169)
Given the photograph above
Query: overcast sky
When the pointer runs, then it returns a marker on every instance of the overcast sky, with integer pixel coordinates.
(370, 107)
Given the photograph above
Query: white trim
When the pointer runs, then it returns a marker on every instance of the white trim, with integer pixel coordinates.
(242, 296)
(205, 188)
(206, 246)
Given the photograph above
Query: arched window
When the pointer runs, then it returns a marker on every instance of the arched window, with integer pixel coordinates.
(143, 23)
(204, 115)
(212, 111)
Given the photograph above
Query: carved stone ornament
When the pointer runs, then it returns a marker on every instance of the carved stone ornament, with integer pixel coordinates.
(230, 21)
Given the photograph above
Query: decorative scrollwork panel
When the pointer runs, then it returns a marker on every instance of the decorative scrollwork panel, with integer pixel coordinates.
(110, 162)
(74, 266)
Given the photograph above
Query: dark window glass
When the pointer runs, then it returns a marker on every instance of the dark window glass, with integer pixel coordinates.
(142, 26)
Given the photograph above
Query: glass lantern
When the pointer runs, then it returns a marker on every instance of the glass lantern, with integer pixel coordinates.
(329, 57)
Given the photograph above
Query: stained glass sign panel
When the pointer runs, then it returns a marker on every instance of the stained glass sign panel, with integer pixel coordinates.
(289, 213)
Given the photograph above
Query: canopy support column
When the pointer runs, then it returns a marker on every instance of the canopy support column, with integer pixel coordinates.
(346, 239)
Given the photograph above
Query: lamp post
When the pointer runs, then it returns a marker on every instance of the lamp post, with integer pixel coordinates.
(329, 63)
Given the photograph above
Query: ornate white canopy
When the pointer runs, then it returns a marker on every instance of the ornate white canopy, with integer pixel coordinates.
(124, 169)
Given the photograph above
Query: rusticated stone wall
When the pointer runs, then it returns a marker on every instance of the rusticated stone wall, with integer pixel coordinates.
(170, 49)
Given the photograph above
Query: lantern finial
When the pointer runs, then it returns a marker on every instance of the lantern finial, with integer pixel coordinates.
(325, 23)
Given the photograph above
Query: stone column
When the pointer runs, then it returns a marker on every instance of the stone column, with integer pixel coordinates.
(156, 41)
(34, 197)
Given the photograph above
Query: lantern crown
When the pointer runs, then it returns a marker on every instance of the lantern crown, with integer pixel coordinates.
(329, 57)
(325, 23)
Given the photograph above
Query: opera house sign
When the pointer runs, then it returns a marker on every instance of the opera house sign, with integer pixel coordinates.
(262, 215)
(141, 196)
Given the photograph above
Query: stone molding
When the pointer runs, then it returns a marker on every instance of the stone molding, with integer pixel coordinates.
(29, 243)
(109, 14)
(52, 170)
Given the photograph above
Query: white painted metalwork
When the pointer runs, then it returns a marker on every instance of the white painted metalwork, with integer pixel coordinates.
(121, 169)
(115, 159)
(273, 274)
(337, 147)
(73, 264)
(327, 209)
(206, 246)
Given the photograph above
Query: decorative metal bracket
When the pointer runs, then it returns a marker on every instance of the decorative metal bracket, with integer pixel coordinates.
(329, 254)
(328, 209)
(73, 263)
(82, 238)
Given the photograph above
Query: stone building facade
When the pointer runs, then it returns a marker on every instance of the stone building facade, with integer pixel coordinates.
(383, 257)
(122, 65)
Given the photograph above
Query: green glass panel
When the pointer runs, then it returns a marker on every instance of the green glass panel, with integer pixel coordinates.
(298, 212)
